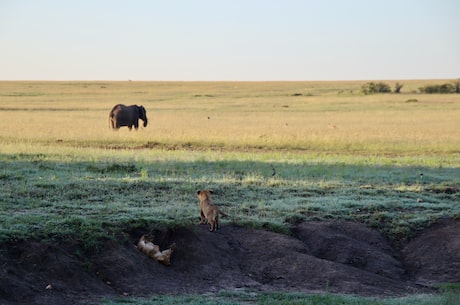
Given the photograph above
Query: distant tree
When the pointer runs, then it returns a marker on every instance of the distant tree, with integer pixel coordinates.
(368, 88)
(444, 88)
(383, 88)
(447, 88)
(398, 87)
(427, 89)
(457, 86)
(371, 88)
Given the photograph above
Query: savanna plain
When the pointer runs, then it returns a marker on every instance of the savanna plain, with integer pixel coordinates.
(279, 157)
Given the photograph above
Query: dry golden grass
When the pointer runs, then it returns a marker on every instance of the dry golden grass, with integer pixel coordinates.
(316, 116)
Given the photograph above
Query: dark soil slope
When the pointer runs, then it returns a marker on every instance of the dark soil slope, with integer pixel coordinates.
(340, 257)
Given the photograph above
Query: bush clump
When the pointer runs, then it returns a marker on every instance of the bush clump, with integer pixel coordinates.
(443, 88)
(371, 88)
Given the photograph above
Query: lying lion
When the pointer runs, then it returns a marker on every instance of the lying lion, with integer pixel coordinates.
(209, 211)
(153, 251)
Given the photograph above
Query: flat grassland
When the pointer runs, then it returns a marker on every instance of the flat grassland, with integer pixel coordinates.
(275, 153)
(310, 116)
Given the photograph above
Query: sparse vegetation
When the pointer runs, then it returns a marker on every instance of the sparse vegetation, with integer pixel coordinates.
(381, 87)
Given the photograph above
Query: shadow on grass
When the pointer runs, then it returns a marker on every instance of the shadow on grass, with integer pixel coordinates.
(43, 197)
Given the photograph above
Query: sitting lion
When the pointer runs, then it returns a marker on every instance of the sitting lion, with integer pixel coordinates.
(153, 251)
(209, 211)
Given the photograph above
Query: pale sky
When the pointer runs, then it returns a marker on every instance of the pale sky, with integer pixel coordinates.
(243, 40)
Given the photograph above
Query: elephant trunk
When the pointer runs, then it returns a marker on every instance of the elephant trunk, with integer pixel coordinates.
(143, 115)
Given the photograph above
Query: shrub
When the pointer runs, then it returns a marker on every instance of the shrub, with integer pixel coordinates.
(444, 88)
(371, 88)
(457, 86)
(398, 87)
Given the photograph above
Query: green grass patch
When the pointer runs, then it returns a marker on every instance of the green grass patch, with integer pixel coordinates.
(245, 297)
(86, 196)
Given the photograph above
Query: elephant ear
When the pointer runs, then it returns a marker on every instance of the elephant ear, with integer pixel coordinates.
(141, 110)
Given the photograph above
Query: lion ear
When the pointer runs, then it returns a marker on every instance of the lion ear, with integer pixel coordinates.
(198, 192)
(211, 192)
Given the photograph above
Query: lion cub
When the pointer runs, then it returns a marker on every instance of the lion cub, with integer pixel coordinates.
(153, 251)
(209, 211)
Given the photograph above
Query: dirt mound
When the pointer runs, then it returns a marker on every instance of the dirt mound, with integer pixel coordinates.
(340, 257)
(351, 244)
(434, 256)
(35, 273)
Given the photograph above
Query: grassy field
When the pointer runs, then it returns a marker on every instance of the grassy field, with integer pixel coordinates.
(310, 116)
(275, 153)
(244, 298)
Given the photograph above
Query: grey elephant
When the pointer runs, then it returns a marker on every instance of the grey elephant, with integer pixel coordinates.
(122, 115)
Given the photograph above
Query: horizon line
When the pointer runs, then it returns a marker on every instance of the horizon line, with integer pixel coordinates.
(209, 81)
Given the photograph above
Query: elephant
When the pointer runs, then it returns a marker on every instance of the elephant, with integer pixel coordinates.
(122, 115)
